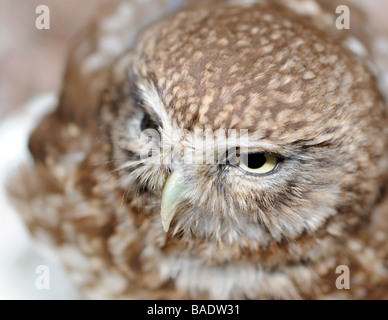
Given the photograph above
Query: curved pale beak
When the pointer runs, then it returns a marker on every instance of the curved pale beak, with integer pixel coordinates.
(172, 194)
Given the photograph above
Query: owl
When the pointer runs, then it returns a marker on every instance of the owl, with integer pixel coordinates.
(294, 187)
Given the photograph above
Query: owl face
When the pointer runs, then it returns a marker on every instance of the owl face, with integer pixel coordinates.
(304, 100)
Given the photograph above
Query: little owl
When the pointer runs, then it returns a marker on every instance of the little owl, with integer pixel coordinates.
(274, 218)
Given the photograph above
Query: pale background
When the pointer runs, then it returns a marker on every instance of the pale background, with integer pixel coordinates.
(32, 63)
(31, 60)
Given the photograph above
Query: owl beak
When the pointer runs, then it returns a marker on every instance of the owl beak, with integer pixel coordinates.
(172, 194)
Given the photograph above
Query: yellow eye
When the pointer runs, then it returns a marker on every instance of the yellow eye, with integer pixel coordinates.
(257, 163)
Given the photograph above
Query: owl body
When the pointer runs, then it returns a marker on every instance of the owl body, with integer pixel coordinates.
(278, 69)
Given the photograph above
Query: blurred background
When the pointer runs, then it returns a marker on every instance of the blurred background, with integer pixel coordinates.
(31, 60)
(32, 63)
(31, 68)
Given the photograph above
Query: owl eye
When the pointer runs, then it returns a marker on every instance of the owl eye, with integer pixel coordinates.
(148, 123)
(257, 163)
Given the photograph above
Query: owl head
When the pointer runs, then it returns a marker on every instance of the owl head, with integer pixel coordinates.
(317, 128)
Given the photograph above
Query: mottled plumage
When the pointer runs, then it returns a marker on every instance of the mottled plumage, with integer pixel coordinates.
(277, 68)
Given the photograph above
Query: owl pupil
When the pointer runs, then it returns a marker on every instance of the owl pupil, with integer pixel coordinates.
(256, 160)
